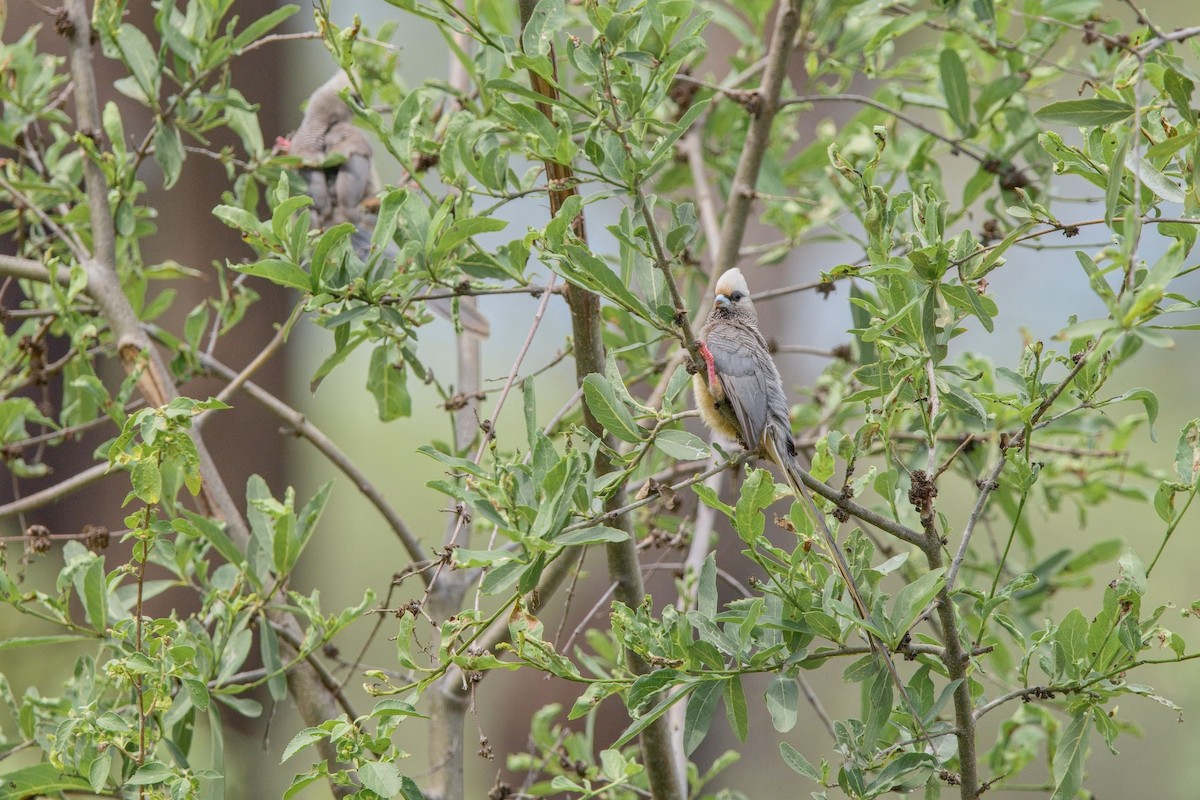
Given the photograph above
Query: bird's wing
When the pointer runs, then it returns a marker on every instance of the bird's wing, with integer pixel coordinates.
(738, 361)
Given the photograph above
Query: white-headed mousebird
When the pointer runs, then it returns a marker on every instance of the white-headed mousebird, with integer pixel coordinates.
(740, 396)
(326, 134)
(341, 180)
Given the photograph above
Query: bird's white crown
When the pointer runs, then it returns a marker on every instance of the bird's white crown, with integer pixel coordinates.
(732, 281)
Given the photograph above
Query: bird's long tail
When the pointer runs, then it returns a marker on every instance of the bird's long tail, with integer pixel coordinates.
(783, 453)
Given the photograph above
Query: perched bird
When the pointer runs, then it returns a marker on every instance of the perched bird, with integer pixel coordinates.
(336, 156)
(740, 396)
(341, 180)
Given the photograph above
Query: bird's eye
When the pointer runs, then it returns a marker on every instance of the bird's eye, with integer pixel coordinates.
(736, 296)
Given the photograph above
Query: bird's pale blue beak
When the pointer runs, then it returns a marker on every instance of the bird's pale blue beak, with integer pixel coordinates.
(723, 301)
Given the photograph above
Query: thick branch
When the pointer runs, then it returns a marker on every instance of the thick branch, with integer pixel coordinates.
(741, 192)
(137, 352)
(623, 565)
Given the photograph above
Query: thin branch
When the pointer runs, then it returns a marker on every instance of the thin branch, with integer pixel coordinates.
(466, 290)
(815, 702)
(255, 364)
(302, 426)
(902, 532)
(1015, 441)
(52, 494)
(770, 294)
(959, 145)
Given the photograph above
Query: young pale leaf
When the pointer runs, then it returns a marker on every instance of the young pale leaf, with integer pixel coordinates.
(792, 757)
(783, 697)
(681, 445)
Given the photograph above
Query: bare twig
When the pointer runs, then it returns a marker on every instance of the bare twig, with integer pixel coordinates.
(302, 426)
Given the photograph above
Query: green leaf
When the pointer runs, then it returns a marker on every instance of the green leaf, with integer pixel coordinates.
(463, 229)
(277, 271)
(139, 55)
(641, 723)
(168, 152)
(95, 595)
(150, 773)
(596, 534)
(381, 777)
(386, 380)
(957, 89)
(1187, 453)
(38, 780)
(681, 445)
(268, 643)
(608, 410)
(912, 599)
(261, 25)
(1070, 755)
(706, 587)
(783, 696)
(735, 707)
(99, 771)
(584, 268)
(1149, 401)
(1072, 639)
(698, 719)
(16, 642)
(409, 789)
(146, 478)
(1180, 89)
(547, 18)
(792, 757)
(303, 739)
(1086, 113)
(758, 490)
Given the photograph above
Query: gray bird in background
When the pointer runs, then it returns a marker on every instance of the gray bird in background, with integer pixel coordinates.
(337, 156)
(341, 180)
